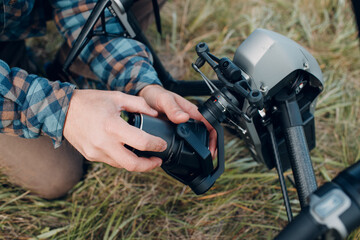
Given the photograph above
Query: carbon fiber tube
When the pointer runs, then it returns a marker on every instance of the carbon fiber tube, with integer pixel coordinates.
(298, 151)
(300, 162)
(279, 170)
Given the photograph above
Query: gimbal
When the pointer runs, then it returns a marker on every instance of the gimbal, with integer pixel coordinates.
(267, 94)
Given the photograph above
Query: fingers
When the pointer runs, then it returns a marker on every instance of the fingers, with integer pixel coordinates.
(164, 101)
(131, 162)
(172, 109)
(212, 142)
(142, 141)
(93, 126)
(114, 153)
(177, 109)
(135, 137)
(195, 114)
(188, 107)
(134, 163)
(120, 157)
(136, 104)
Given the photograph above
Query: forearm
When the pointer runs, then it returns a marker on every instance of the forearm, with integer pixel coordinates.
(121, 63)
(31, 105)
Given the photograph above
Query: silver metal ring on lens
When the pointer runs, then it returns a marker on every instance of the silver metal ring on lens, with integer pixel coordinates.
(141, 122)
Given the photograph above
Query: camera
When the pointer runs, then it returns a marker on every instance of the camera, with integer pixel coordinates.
(187, 157)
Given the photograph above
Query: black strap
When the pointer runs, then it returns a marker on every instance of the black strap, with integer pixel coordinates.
(356, 8)
(157, 15)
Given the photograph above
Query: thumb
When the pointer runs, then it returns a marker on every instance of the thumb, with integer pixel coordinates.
(173, 111)
(137, 104)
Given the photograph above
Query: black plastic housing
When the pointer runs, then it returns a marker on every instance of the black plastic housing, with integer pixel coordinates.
(305, 100)
(187, 157)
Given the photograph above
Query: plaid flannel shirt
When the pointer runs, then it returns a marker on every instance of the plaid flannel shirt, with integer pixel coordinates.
(31, 105)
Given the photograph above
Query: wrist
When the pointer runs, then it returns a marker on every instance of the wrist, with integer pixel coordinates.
(148, 88)
(70, 109)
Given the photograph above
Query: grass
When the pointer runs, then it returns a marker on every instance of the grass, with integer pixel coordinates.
(245, 202)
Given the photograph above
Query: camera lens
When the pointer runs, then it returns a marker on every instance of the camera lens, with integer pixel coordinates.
(157, 127)
(184, 157)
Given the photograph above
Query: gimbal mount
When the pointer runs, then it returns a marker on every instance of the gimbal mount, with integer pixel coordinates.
(270, 104)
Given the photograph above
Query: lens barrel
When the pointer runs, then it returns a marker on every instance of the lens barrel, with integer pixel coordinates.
(157, 127)
(187, 155)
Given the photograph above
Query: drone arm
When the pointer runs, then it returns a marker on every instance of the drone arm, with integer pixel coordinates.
(292, 126)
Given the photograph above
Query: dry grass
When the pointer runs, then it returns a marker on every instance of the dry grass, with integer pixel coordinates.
(245, 202)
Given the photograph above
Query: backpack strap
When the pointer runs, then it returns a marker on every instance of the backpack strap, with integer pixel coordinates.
(157, 15)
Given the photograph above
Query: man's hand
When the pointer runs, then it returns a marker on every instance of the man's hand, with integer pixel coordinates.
(94, 127)
(176, 108)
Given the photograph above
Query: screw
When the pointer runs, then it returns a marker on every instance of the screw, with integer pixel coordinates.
(306, 65)
(183, 130)
(263, 88)
(262, 112)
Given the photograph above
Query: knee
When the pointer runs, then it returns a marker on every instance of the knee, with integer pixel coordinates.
(59, 183)
(38, 167)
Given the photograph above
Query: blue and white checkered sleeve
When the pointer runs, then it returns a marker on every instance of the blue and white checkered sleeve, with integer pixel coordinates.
(31, 106)
(121, 63)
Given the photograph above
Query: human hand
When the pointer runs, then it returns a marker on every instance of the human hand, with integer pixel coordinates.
(176, 108)
(94, 127)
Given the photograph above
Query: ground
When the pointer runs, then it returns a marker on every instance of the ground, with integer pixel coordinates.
(245, 202)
